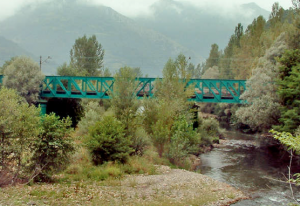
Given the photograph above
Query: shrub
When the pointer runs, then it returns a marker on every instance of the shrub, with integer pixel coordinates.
(92, 114)
(184, 140)
(19, 127)
(140, 140)
(52, 150)
(209, 131)
(107, 141)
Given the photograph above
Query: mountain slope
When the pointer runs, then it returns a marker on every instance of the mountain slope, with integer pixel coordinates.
(10, 49)
(50, 29)
(198, 28)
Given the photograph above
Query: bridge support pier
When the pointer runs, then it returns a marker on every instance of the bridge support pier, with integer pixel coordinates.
(43, 104)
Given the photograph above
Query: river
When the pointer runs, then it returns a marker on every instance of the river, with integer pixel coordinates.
(245, 162)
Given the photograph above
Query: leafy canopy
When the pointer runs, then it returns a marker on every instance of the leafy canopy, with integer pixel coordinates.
(24, 75)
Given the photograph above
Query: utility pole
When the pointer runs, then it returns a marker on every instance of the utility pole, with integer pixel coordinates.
(41, 62)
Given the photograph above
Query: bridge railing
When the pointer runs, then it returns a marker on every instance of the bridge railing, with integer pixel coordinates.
(218, 90)
(205, 90)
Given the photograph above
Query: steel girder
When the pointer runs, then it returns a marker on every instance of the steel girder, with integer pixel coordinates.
(205, 90)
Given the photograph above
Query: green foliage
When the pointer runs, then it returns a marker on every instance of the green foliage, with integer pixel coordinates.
(51, 152)
(6, 64)
(276, 14)
(93, 113)
(292, 142)
(209, 130)
(66, 70)
(214, 57)
(125, 105)
(184, 140)
(19, 128)
(287, 139)
(263, 112)
(226, 57)
(86, 59)
(289, 91)
(211, 73)
(171, 110)
(107, 141)
(24, 75)
(124, 101)
(87, 56)
(140, 141)
(160, 135)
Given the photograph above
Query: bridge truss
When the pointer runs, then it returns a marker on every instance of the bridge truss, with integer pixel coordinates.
(205, 90)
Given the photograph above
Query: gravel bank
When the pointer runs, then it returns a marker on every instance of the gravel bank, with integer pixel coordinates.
(179, 187)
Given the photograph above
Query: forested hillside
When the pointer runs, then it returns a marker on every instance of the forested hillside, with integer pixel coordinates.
(266, 53)
(195, 27)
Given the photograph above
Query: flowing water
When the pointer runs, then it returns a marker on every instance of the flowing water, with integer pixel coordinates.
(246, 163)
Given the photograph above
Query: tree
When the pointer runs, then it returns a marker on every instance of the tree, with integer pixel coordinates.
(66, 70)
(276, 14)
(24, 75)
(214, 57)
(87, 56)
(125, 105)
(289, 91)
(92, 114)
(6, 64)
(211, 73)
(296, 4)
(226, 58)
(263, 109)
(107, 141)
(171, 101)
(292, 142)
(238, 33)
(19, 128)
(124, 100)
(51, 151)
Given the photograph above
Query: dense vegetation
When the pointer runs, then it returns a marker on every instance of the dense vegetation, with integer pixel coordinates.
(267, 55)
(111, 134)
(124, 135)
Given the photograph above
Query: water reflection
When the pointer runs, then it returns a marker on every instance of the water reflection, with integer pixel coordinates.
(246, 163)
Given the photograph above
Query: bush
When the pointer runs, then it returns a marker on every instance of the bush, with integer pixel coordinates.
(19, 127)
(209, 131)
(107, 141)
(52, 150)
(92, 114)
(184, 140)
(140, 141)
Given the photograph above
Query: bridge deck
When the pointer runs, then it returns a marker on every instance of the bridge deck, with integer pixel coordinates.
(205, 90)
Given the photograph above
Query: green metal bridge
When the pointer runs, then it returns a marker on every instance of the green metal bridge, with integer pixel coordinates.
(205, 90)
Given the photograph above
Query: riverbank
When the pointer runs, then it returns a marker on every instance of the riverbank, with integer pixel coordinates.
(248, 163)
(168, 187)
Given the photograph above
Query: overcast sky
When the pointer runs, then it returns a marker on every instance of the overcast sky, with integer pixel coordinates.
(138, 7)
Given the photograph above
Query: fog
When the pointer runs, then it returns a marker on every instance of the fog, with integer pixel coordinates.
(133, 8)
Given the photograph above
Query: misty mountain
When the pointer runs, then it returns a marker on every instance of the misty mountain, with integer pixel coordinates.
(198, 28)
(50, 29)
(10, 49)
